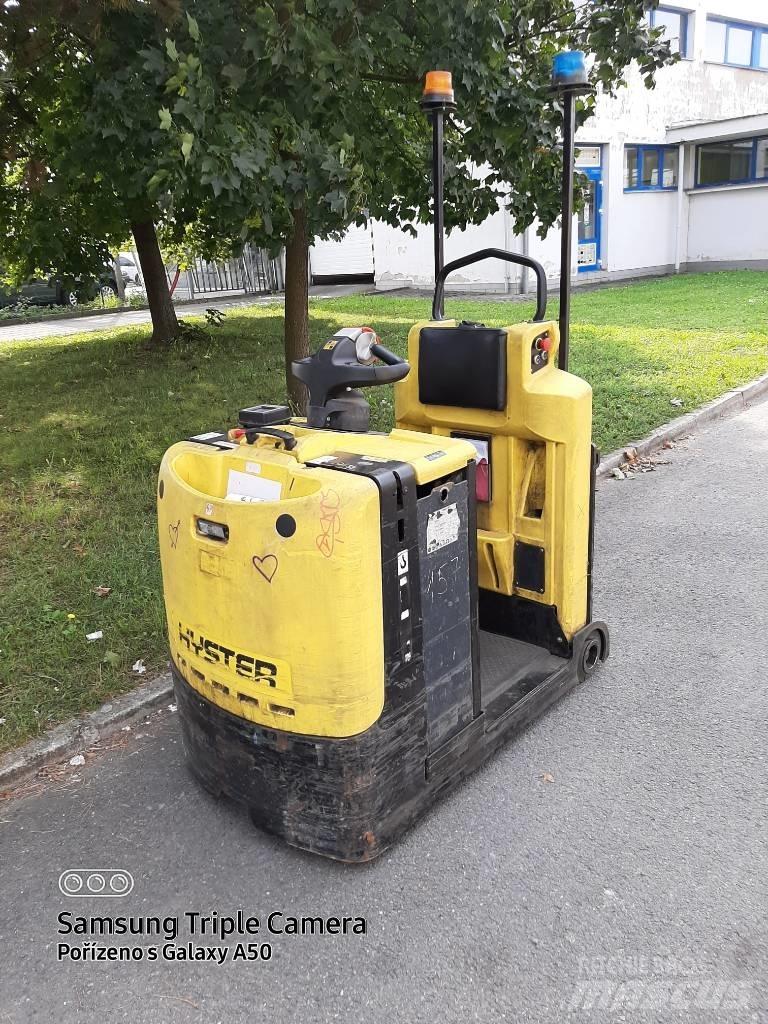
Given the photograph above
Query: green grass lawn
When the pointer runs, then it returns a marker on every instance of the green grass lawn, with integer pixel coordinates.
(85, 420)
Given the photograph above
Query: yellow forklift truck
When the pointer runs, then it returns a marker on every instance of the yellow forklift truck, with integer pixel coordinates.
(358, 620)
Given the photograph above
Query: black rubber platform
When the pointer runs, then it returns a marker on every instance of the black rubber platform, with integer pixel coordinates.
(350, 799)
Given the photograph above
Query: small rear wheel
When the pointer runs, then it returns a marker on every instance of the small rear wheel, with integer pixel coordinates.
(592, 654)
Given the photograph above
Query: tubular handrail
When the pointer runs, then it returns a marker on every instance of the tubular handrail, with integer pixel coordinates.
(484, 254)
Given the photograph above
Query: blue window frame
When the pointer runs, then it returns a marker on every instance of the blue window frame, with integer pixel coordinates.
(731, 162)
(650, 168)
(675, 25)
(737, 43)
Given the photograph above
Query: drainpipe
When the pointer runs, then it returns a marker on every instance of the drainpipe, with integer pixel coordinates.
(524, 270)
(680, 235)
(508, 237)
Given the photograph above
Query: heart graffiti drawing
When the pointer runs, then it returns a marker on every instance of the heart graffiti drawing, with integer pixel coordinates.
(267, 566)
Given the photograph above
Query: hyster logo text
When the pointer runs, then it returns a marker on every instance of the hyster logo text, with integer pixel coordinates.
(246, 665)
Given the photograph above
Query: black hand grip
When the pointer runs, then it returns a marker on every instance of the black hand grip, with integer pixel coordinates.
(390, 373)
(289, 441)
(485, 254)
(385, 355)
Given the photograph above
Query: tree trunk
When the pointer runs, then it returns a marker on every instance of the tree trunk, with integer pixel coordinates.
(297, 305)
(165, 326)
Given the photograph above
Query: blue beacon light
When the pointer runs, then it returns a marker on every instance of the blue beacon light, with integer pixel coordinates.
(569, 68)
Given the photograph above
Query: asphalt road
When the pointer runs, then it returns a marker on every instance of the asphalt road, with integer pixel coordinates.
(131, 317)
(633, 886)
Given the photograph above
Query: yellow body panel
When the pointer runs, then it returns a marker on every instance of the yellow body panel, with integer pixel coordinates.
(285, 631)
(540, 458)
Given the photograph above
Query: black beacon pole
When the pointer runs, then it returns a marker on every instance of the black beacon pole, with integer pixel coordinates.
(436, 99)
(569, 80)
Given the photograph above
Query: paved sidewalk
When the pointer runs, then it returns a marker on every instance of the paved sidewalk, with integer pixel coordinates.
(130, 317)
(633, 886)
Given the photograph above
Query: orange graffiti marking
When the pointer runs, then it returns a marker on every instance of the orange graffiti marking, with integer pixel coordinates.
(330, 522)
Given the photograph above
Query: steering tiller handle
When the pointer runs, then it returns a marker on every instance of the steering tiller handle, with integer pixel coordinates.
(438, 303)
(386, 356)
(333, 374)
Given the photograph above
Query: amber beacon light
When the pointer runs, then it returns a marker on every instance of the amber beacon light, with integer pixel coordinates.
(438, 91)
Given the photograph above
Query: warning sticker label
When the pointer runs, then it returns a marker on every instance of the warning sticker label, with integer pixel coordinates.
(442, 528)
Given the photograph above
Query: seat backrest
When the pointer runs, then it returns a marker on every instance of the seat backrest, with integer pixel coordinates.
(464, 366)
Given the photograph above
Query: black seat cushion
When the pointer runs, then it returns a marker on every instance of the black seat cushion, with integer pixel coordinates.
(463, 366)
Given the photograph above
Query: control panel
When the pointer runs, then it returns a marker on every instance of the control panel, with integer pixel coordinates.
(540, 349)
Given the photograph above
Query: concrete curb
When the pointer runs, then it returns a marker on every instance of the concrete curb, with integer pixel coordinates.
(82, 732)
(729, 404)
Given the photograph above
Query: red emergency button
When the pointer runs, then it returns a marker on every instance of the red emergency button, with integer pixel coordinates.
(544, 343)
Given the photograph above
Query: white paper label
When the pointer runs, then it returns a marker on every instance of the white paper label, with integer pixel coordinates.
(442, 528)
(480, 446)
(588, 156)
(208, 436)
(244, 487)
(402, 563)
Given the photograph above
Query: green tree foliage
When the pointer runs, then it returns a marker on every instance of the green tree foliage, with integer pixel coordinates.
(281, 121)
(78, 123)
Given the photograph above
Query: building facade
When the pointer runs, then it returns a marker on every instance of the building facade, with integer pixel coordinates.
(677, 175)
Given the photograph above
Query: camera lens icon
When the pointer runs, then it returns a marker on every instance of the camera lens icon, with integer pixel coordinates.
(121, 883)
(96, 882)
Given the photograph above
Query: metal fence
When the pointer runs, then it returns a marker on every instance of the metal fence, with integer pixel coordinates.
(253, 273)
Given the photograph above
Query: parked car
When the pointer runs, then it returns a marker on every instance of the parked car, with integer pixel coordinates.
(54, 293)
(129, 269)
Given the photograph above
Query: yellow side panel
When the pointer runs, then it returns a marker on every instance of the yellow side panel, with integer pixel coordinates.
(540, 459)
(281, 623)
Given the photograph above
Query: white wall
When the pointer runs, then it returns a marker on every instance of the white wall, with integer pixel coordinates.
(645, 234)
(355, 256)
(638, 229)
(728, 224)
(402, 259)
(547, 250)
(691, 90)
